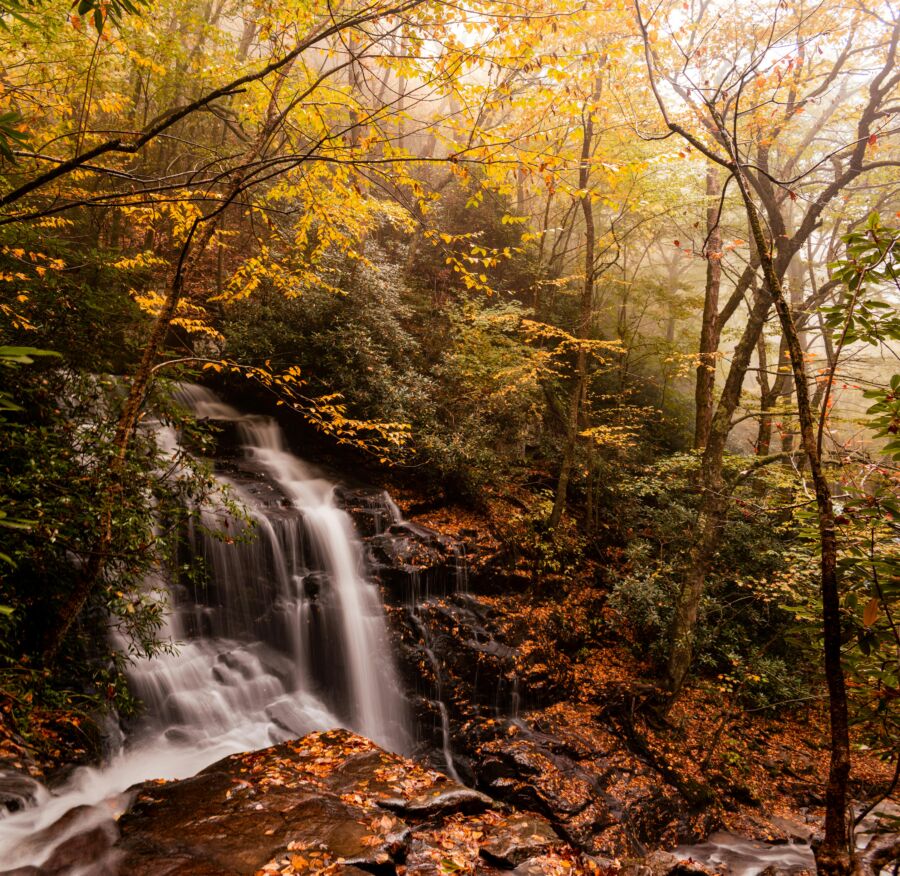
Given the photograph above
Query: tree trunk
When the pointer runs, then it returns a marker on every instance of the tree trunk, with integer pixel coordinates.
(355, 79)
(768, 398)
(835, 855)
(568, 457)
(709, 329)
(583, 327)
(795, 279)
(713, 502)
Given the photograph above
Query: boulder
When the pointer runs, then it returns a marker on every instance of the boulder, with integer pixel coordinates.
(440, 802)
(521, 837)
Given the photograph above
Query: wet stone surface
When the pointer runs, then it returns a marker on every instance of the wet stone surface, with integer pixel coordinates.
(522, 743)
(17, 790)
(410, 561)
(329, 802)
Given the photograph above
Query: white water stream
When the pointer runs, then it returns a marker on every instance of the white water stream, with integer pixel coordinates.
(285, 636)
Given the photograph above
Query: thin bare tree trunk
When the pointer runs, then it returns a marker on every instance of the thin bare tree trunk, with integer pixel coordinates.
(768, 399)
(714, 500)
(582, 329)
(709, 328)
(835, 855)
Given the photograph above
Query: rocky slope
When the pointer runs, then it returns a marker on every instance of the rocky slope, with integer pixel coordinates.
(529, 691)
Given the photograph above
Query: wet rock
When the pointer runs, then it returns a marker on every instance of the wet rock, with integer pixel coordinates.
(327, 799)
(314, 583)
(562, 761)
(522, 844)
(773, 870)
(662, 863)
(289, 716)
(691, 868)
(521, 771)
(518, 839)
(17, 790)
(372, 510)
(19, 770)
(77, 820)
(181, 736)
(88, 849)
(455, 639)
(537, 867)
(658, 863)
(494, 648)
(412, 562)
(80, 842)
(232, 823)
(440, 802)
(788, 829)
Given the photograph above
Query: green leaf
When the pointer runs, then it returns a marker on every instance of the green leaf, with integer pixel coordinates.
(10, 135)
(22, 355)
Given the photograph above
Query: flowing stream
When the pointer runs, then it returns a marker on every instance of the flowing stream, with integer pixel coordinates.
(278, 635)
(740, 856)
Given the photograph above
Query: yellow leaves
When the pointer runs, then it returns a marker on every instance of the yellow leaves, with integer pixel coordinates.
(328, 413)
(197, 327)
(141, 260)
(539, 331)
(471, 282)
(146, 63)
(113, 103)
(16, 320)
(612, 436)
(150, 302)
(188, 315)
(871, 612)
(37, 262)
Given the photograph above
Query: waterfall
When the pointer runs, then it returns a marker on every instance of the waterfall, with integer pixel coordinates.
(278, 632)
(286, 624)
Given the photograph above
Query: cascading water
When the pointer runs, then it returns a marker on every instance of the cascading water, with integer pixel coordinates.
(281, 635)
(446, 739)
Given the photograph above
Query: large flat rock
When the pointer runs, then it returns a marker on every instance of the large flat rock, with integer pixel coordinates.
(330, 802)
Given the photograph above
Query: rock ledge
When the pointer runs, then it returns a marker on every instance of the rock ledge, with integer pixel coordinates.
(330, 802)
